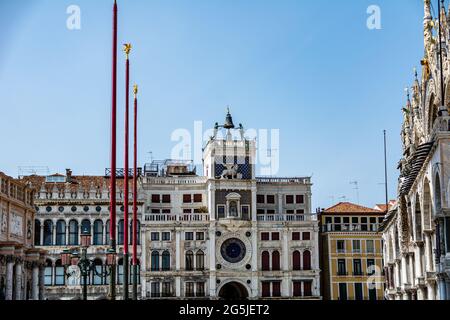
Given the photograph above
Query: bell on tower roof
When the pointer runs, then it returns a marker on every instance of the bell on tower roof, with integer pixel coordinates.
(229, 120)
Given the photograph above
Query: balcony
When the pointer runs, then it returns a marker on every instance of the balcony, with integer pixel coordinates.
(162, 218)
(336, 227)
(285, 217)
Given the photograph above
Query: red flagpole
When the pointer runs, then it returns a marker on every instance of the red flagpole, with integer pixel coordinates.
(127, 49)
(135, 262)
(112, 216)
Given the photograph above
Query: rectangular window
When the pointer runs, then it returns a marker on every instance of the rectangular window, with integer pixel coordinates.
(166, 236)
(297, 288)
(337, 224)
(200, 289)
(358, 291)
(156, 211)
(188, 236)
(307, 288)
(340, 246)
(300, 211)
(306, 236)
(290, 211)
(295, 236)
(364, 226)
(189, 290)
(156, 198)
(187, 211)
(198, 198)
(155, 236)
(166, 198)
(356, 246)
(200, 236)
(342, 268)
(155, 286)
(270, 211)
(276, 289)
(48, 276)
(270, 199)
(357, 269)
(275, 236)
(370, 267)
(265, 286)
(289, 199)
(187, 198)
(260, 198)
(260, 211)
(60, 276)
(166, 289)
(370, 246)
(221, 212)
(265, 236)
(342, 291)
(166, 211)
(300, 199)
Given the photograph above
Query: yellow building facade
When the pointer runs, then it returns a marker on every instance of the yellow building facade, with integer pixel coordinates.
(351, 253)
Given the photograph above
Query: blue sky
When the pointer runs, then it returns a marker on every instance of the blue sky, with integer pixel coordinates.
(309, 68)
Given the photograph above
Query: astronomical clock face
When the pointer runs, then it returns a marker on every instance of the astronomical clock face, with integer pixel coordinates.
(233, 250)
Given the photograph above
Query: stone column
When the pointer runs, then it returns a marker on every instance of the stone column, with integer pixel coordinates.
(177, 250)
(285, 251)
(419, 271)
(35, 282)
(427, 253)
(431, 292)
(412, 275)
(178, 287)
(253, 210)
(18, 284)
(10, 260)
(404, 271)
(54, 234)
(67, 234)
(41, 234)
(41, 281)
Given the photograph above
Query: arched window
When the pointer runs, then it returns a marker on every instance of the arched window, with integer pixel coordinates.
(98, 233)
(418, 219)
(155, 261)
(437, 193)
(48, 273)
(426, 205)
(275, 261)
(120, 233)
(189, 260)
(73, 233)
(60, 274)
(37, 232)
(200, 260)
(120, 272)
(48, 233)
(265, 261)
(61, 233)
(166, 261)
(97, 278)
(138, 233)
(296, 265)
(85, 226)
(108, 226)
(306, 260)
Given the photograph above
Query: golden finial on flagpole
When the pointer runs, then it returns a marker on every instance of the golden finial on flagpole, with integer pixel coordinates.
(127, 49)
(135, 90)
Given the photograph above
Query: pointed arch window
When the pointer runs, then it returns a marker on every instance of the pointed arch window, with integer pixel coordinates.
(275, 261)
(296, 264)
(307, 260)
(155, 261)
(200, 260)
(265, 261)
(189, 261)
(166, 261)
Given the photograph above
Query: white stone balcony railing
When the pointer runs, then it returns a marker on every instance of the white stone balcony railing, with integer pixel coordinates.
(286, 217)
(294, 180)
(163, 218)
(174, 180)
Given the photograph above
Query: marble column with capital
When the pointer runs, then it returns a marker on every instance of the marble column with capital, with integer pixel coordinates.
(9, 277)
(35, 282)
(18, 283)
(41, 282)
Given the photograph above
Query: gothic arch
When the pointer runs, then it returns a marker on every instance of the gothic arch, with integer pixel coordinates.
(430, 106)
(418, 219)
(437, 193)
(427, 206)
